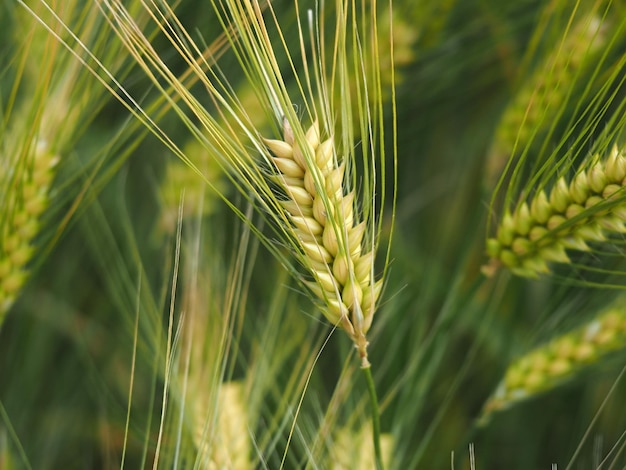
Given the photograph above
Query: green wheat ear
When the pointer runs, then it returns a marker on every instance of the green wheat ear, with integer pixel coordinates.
(562, 359)
(24, 197)
(542, 97)
(199, 198)
(352, 450)
(229, 444)
(54, 97)
(589, 208)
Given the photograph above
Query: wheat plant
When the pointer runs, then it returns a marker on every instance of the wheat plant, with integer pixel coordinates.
(51, 99)
(306, 235)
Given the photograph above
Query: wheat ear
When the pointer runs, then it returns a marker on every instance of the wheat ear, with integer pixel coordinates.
(327, 230)
(351, 450)
(561, 359)
(543, 95)
(587, 209)
(25, 197)
(230, 447)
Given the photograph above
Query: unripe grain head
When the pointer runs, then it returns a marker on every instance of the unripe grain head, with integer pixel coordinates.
(331, 244)
(587, 210)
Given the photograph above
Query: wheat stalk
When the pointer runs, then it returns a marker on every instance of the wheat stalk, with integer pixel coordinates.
(332, 237)
(561, 359)
(586, 209)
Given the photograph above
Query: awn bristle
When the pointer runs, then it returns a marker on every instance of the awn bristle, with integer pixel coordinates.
(328, 232)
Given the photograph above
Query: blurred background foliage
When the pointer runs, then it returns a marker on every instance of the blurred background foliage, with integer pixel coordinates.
(143, 280)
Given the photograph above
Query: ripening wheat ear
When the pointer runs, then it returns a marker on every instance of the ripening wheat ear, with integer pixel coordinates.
(229, 446)
(542, 97)
(327, 231)
(561, 359)
(330, 234)
(351, 450)
(24, 198)
(586, 209)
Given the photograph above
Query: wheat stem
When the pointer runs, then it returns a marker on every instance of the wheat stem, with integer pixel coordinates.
(371, 388)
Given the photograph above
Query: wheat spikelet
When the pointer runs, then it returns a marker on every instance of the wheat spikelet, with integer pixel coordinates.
(352, 450)
(229, 446)
(328, 231)
(24, 198)
(199, 198)
(543, 95)
(586, 209)
(178, 175)
(561, 359)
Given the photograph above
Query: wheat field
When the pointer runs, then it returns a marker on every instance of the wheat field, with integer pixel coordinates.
(293, 234)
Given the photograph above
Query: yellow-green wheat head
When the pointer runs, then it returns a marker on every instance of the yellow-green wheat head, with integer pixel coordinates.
(544, 94)
(318, 171)
(589, 208)
(24, 197)
(50, 99)
(563, 358)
